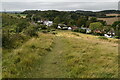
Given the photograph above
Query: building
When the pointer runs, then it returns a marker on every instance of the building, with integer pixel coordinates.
(74, 28)
(86, 29)
(48, 23)
(69, 28)
(64, 27)
(108, 36)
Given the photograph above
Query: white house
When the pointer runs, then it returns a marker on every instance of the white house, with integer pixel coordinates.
(69, 28)
(48, 23)
(64, 27)
(108, 36)
(39, 21)
(59, 27)
(88, 30)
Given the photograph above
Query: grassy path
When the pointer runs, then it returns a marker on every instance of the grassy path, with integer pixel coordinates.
(64, 55)
(52, 65)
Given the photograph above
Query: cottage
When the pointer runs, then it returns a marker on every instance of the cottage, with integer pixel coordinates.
(39, 21)
(74, 28)
(48, 23)
(62, 26)
(108, 35)
(86, 29)
(69, 28)
(59, 27)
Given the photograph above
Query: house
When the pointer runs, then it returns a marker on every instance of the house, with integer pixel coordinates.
(98, 31)
(74, 28)
(48, 23)
(59, 27)
(39, 21)
(69, 28)
(86, 29)
(108, 35)
(64, 27)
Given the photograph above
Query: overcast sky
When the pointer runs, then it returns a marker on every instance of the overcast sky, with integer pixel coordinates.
(59, 0)
(94, 5)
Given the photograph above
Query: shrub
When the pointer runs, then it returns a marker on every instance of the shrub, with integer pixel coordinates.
(82, 30)
(54, 33)
(45, 31)
(31, 31)
(13, 40)
(76, 30)
(116, 37)
(103, 37)
(99, 34)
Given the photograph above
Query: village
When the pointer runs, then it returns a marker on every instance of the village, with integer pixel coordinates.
(85, 30)
(60, 44)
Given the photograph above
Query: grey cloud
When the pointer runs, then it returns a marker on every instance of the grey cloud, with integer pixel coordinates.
(59, 0)
(21, 6)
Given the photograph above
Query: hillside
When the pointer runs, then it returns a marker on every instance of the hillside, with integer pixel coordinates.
(109, 21)
(63, 55)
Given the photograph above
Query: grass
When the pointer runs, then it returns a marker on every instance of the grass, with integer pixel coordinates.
(63, 55)
(103, 38)
(16, 15)
(25, 58)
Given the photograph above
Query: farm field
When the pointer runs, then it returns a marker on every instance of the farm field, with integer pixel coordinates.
(63, 55)
(109, 21)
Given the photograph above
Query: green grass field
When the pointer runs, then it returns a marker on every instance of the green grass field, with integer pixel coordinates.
(63, 55)
(16, 15)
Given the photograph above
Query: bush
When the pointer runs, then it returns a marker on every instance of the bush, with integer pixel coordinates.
(116, 37)
(76, 30)
(103, 37)
(31, 31)
(82, 30)
(99, 34)
(45, 31)
(54, 33)
(13, 40)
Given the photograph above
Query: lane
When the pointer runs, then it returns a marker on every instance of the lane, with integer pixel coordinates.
(53, 65)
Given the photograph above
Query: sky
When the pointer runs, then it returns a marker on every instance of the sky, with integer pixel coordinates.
(59, 0)
(62, 5)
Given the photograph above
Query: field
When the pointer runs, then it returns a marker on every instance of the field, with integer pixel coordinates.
(17, 15)
(109, 21)
(63, 55)
(112, 14)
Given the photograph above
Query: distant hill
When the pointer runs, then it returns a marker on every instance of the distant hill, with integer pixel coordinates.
(110, 11)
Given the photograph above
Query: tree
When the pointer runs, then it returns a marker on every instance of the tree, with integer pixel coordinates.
(54, 25)
(22, 25)
(88, 23)
(31, 31)
(71, 22)
(96, 26)
(116, 26)
(81, 22)
(57, 20)
(107, 28)
(43, 26)
(93, 19)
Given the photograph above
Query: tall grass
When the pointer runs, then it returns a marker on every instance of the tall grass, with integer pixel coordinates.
(85, 56)
(91, 59)
(21, 61)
